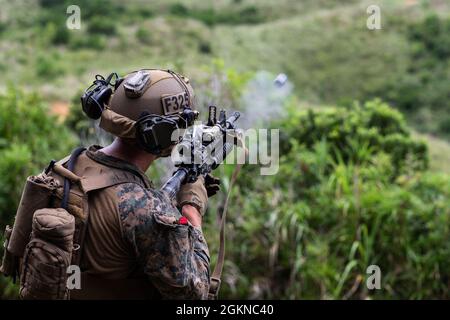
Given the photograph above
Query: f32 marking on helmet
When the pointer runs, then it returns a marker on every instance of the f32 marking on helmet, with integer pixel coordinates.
(175, 103)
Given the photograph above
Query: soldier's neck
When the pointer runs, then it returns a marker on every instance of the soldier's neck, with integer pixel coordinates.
(127, 152)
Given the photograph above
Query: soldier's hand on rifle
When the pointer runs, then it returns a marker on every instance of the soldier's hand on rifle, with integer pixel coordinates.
(194, 196)
(212, 185)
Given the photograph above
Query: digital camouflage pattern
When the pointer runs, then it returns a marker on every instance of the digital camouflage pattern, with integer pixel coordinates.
(174, 256)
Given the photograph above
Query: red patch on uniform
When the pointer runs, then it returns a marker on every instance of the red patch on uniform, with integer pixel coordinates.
(183, 220)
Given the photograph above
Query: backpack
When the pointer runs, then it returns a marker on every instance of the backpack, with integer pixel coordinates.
(51, 221)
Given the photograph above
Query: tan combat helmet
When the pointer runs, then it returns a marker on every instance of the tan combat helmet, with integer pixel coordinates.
(144, 93)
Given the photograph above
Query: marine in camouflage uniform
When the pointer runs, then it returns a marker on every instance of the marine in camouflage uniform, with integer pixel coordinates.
(97, 209)
(134, 230)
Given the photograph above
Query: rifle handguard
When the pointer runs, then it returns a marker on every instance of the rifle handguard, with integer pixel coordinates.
(173, 185)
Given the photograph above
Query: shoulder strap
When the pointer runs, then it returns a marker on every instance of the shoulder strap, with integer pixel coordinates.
(91, 174)
(125, 169)
(67, 183)
(88, 175)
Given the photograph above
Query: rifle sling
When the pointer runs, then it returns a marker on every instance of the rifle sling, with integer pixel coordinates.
(217, 273)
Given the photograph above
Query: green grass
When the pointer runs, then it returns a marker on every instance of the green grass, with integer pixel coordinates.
(322, 45)
(439, 151)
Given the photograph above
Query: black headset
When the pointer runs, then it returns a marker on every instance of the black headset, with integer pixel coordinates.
(95, 97)
(151, 130)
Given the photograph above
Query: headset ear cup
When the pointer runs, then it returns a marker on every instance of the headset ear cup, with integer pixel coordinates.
(95, 97)
(93, 102)
(143, 129)
(91, 107)
(154, 133)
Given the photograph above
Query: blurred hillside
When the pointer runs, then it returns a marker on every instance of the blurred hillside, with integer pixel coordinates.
(323, 46)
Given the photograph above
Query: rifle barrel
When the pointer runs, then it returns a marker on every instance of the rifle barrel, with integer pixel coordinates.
(231, 120)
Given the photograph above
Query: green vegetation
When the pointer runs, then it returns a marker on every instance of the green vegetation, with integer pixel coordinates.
(29, 139)
(338, 205)
(356, 133)
(359, 183)
(323, 46)
(210, 16)
(99, 25)
(423, 90)
(29, 135)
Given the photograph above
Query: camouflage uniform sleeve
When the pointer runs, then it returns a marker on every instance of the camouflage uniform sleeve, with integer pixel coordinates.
(175, 256)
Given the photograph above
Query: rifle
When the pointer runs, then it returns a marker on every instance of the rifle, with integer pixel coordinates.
(207, 145)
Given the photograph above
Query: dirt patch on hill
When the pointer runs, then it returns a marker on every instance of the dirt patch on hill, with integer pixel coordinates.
(60, 109)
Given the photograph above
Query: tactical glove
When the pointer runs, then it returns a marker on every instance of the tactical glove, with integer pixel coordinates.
(194, 194)
(212, 185)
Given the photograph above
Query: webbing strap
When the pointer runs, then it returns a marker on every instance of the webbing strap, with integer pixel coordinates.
(216, 276)
(70, 166)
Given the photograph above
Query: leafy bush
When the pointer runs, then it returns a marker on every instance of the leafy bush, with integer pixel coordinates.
(2, 27)
(144, 35)
(30, 138)
(178, 9)
(425, 84)
(444, 125)
(56, 33)
(100, 25)
(355, 133)
(333, 209)
(49, 3)
(47, 66)
(204, 47)
(211, 16)
(433, 35)
(250, 15)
